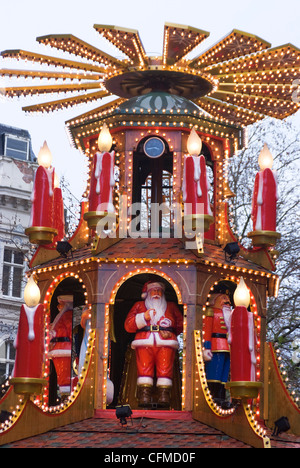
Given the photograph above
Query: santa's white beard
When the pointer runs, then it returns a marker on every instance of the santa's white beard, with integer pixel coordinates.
(159, 304)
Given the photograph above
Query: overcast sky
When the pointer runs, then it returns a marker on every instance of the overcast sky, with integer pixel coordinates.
(21, 21)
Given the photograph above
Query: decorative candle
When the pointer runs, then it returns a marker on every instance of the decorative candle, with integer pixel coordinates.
(265, 194)
(102, 177)
(242, 337)
(196, 185)
(42, 195)
(29, 342)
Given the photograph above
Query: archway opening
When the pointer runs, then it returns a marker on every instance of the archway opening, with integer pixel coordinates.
(153, 182)
(122, 368)
(65, 337)
(217, 338)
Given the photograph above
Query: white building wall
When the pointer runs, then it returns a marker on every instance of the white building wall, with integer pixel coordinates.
(16, 183)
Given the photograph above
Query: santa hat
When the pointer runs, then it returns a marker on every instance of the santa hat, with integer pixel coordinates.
(151, 285)
(65, 298)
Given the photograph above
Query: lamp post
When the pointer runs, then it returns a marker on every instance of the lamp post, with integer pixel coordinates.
(102, 181)
(41, 229)
(242, 347)
(27, 374)
(195, 188)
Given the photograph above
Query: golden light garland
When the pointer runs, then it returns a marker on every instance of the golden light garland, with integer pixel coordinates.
(257, 323)
(47, 301)
(114, 292)
(243, 78)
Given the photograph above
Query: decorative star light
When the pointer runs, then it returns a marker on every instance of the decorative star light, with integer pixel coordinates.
(239, 80)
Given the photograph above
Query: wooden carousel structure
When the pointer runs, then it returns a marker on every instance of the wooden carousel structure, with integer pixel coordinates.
(165, 141)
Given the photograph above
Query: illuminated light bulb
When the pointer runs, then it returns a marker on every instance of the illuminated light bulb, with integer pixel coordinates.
(241, 295)
(105, 139)
(45, 156)
(194, 143)
(265, 158)
(32, 294)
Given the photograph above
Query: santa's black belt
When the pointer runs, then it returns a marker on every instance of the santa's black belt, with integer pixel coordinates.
(61, 339)
(157, 328)
(218, 335)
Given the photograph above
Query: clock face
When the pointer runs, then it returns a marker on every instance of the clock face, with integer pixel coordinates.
(154, 147)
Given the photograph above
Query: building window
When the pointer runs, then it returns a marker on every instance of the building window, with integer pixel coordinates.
(7, 360)
(167, 200)
(16, 147)
(12, 274)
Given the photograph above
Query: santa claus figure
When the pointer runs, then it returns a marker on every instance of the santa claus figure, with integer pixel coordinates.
(157, 323)
(216, 348)
(61, 343)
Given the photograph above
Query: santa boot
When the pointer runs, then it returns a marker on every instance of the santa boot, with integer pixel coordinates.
(144, 395)
(163, 397)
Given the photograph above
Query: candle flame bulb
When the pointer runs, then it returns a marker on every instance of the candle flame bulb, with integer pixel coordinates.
(194, 143)
(241, 295)
(32, 294)
(45, 156)
(105, 139)
(265, 158)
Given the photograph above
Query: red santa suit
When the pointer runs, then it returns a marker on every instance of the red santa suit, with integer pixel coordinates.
(264, 201)
(61, 343)
(29, 343)
(152, 350)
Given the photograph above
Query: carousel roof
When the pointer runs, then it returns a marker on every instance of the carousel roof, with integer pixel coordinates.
(148, 430)
(239, 80)
(158, 250)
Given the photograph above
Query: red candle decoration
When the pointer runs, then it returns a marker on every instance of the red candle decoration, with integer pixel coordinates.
(102, 181)
(42, 196)
(242, 338)
(58, 215)
(41, 228)
(196, 186)
(264, 194)
(42, 199)
(29, 343)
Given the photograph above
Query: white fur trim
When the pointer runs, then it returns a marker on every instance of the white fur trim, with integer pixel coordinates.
(143, 342)
(65, 389)
(140, 320)
(164, 382)
(154, 339)
(169, 343)
(144, 381)
(155, 286)
(66, 298)
(59, 353)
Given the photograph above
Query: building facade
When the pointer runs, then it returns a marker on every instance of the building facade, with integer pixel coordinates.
(17, 167)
